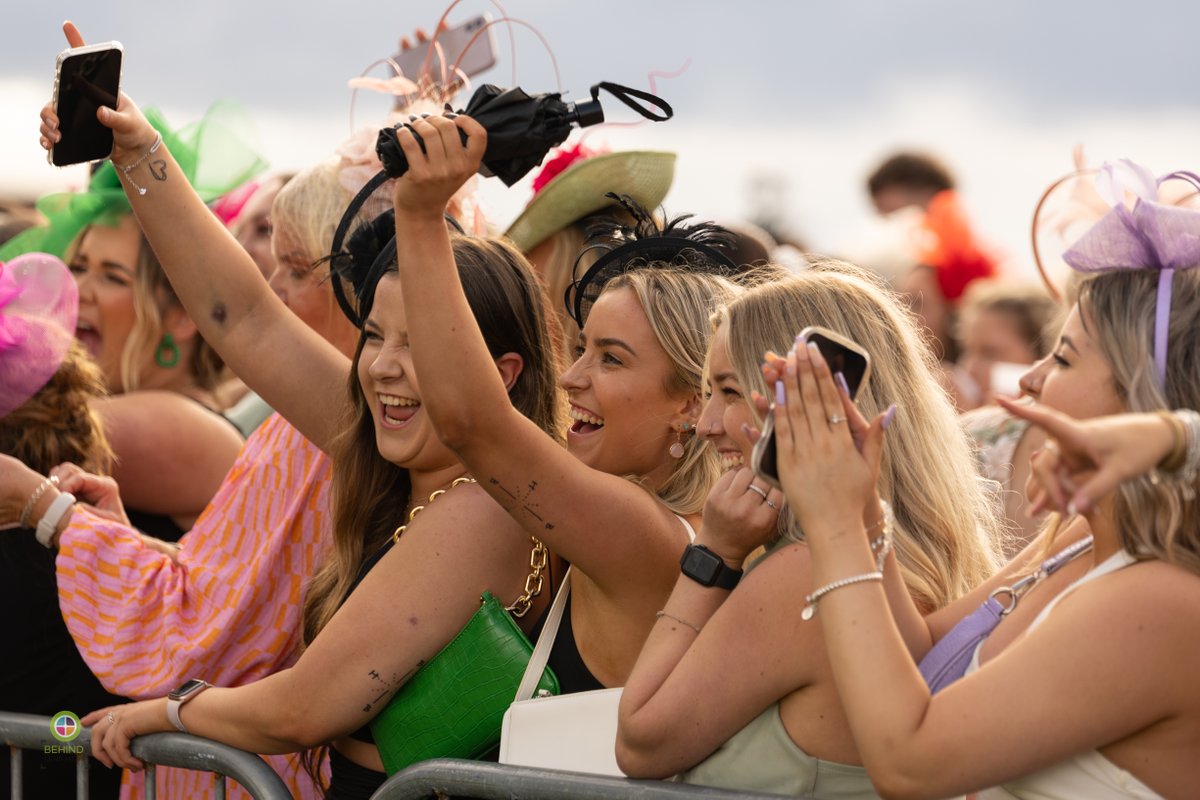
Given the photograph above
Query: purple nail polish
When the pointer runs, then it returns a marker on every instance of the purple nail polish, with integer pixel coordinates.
(841, 382)
(889, 415)
(780, 394)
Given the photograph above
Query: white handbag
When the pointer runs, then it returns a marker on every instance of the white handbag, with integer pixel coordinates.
(576, 732)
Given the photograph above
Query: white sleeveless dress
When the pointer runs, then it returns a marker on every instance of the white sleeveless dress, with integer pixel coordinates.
(1089, 775)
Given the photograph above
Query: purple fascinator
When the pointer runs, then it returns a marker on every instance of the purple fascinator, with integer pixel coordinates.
(1141, 229)
(39, 305)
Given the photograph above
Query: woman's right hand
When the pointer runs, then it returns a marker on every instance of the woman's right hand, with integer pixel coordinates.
(133, 135)
(738, 518)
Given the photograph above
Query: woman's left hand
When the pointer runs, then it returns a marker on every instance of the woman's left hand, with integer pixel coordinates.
(438, 169)
(115, 727)
(99, 491)
(823, 472)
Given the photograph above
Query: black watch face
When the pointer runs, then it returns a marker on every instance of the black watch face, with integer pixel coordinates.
(186, 689)
(701, 566)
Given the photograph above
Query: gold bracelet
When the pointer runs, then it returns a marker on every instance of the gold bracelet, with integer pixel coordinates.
(668, 615)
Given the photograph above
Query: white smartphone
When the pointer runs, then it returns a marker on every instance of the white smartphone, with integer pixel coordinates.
(453, 46)
(85, 78)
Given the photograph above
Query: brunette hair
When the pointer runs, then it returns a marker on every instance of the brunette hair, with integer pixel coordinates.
(58, 424)
(369, 492)
(910, 171)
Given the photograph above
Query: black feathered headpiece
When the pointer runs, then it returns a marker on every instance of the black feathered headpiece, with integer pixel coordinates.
(700, 247)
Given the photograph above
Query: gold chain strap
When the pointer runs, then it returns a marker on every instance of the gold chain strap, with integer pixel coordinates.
(533, 581)
(432, 497)
(538, 555)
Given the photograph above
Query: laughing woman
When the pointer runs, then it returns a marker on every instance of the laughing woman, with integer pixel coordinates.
(771, 719)
(621, 501)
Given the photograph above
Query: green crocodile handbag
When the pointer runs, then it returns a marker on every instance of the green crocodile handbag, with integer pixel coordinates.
(454, 706)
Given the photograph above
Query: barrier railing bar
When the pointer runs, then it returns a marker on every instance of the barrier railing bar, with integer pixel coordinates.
(163, 749)
(81, 775)
(487, 781)
(15, 772)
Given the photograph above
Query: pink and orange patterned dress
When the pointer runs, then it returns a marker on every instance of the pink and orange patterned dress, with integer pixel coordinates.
(227, 611)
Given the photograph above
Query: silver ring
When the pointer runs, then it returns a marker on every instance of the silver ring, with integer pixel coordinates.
(759, 491)
(111, 719)
(771, 504)
(836, 419)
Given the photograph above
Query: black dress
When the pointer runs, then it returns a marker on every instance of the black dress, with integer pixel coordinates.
(41, 672)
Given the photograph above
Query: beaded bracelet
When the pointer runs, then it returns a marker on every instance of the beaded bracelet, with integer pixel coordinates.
(810, 602)
(1182, 464)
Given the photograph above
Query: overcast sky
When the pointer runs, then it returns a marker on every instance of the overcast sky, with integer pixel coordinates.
(810, 95)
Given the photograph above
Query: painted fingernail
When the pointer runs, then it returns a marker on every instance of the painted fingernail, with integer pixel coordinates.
(1071, 509)
(791, 364)
(413, 117)
(451, 115)
(814, 353)
(447, 107)
(780, 394)
(841, 382)
(889, 415)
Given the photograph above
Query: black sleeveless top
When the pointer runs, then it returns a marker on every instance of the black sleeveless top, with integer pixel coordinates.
(566, 663)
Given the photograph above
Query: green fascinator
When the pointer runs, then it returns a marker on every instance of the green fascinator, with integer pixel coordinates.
(213, 153)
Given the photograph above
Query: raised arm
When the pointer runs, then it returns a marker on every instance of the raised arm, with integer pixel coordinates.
(294, 369)
(549, 492)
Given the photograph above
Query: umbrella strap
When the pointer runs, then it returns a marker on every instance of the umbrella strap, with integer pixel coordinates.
(630, 97)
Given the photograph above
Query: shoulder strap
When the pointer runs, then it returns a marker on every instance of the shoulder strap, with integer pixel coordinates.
(687, 526)
(1118, 560)
(541, 652)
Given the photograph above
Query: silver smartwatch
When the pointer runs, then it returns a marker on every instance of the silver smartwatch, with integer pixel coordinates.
(180, 696)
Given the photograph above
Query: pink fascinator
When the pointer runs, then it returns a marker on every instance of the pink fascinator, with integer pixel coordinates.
(39, 304)
(1146, 226)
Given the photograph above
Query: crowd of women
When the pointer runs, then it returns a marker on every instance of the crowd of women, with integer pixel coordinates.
(881, 620)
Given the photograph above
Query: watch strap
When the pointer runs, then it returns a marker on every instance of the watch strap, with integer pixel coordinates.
(48, 524)
(176, 703)
(723, 577)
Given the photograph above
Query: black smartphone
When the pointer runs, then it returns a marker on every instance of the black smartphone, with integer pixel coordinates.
(85, 79)
(843, 356)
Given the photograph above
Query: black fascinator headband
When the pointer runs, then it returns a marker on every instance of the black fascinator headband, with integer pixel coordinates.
(699, 247)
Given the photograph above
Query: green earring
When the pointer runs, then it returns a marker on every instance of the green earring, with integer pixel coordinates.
(167, 354)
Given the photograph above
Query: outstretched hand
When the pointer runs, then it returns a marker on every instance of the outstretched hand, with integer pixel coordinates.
(1086, 460)
(132, 133)
(439, 162)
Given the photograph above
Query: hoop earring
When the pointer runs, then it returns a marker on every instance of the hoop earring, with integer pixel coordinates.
(167, 353)
(676, 448)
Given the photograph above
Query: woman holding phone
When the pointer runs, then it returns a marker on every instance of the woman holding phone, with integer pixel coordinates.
(771, 719)
(1117, 625)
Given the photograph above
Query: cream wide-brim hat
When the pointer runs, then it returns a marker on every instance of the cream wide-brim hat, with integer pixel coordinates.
(644, 175)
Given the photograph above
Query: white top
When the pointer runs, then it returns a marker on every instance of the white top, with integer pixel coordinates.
(1088, 775)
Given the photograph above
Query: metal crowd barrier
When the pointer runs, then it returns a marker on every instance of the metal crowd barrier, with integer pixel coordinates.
(26, 731)
(450, 777)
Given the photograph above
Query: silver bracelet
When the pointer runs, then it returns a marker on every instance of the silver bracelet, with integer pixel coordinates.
(23, 520)
(158, 140)
(810, 607)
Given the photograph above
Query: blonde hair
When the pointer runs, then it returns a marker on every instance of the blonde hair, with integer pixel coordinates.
(947, 537)
(678, 304)
(1154, 520)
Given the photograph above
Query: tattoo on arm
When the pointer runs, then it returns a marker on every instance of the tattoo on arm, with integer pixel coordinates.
(158, 168)
(384, 688)
(521, 498)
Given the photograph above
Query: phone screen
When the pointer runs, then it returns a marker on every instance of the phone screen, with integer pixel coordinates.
(853, 363)
(85, 82)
